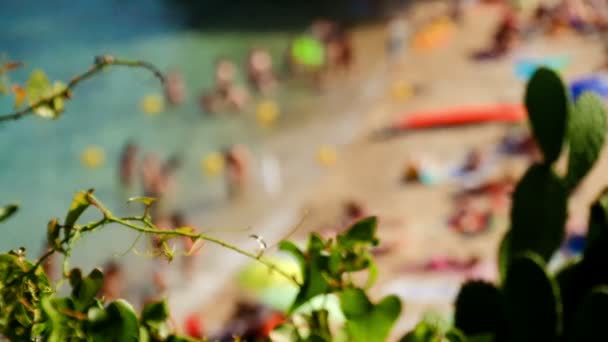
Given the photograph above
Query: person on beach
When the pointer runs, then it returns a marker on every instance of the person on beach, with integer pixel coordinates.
(398, 34)
(469, 220)
(112, 282)
(175, 90)
(259, 71)
(445, 264)
(237, 169)
(128, 164)
(505, 38)
(340, 52)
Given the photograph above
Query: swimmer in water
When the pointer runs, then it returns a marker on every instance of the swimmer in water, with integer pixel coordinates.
(112, 282)
(128, 160)
(178, 220)
(226, 93)
(259, 71)
(236, 169)
(175, 89)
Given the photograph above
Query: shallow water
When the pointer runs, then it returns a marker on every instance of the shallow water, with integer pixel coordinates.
(40, 160)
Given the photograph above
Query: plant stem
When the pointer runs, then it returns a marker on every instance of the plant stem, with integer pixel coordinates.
(98, 65)
(151, 229)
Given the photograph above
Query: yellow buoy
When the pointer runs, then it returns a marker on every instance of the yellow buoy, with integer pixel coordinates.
(213, 164)
(267, 113)
(93, 157)
(152, 104)
(327, 156)
(401, 91)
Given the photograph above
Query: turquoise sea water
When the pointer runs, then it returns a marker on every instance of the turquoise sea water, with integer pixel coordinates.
(40, 164)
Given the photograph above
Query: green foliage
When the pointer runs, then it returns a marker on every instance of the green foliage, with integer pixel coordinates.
(40, 91)
(547, 103)
(539, 306)
(586, 134)
(591, 316)
(79, 204)
(479, 309)
(368, 322)
(21, 290)
(426, 331)
(532, 301)
(8, 211)
(325, 263)
(538, 215)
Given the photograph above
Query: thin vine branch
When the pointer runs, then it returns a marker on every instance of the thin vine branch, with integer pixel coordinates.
(100, 63)
(149, 228)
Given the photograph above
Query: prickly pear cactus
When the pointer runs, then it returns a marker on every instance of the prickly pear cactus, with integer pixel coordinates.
(479, 308)
(532, 301)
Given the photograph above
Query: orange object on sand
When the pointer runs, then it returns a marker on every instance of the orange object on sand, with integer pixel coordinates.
(508, 113)
(270, 323)
(194, 326)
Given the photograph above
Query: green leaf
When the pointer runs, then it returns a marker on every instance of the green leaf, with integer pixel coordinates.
(423, 332)
(532, 301)
(52, 233)
(479, 309)
(362, 231)
(547, 103)
(120, 324)
(84, 290)
(8, 211)
(155, 311)
(37, 86)
(504, 256)
(586, 134)
(590, 319)
(373, 273)
(147, 201)
(366, 321)
(598, 218)
(578, 279)
(79, 204)
(455, 335)
(313, 264)
(38, 329)
(318, 322)
(538, 214)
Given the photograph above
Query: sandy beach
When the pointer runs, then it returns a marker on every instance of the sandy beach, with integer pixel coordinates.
(412, 217)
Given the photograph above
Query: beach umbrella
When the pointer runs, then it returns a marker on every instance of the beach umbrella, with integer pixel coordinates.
(308, 51)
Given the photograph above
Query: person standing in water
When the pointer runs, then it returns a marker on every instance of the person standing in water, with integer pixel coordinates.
(259, 71)
(226, 93)
(175, 90)
(127, 164)
(237, 169)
